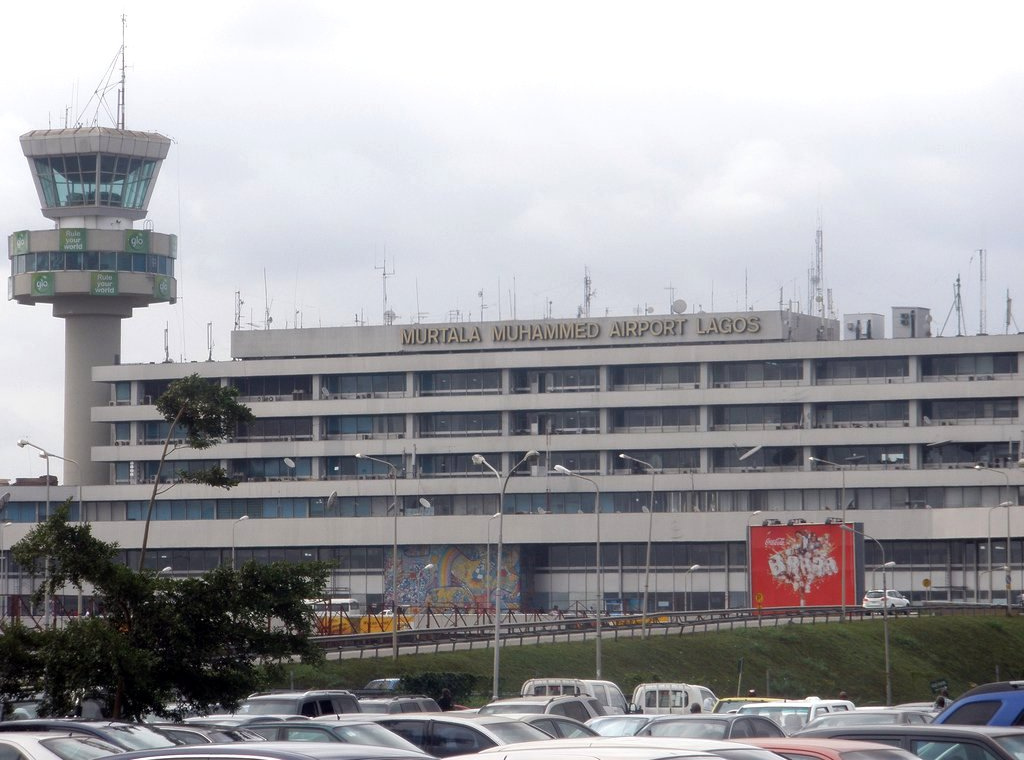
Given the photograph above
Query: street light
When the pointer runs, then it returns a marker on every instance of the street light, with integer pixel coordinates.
(479, 461)
(233, 526)
(750, 559)
(650, 534)
(487, 564)
(6, 560)
(885, 610)
(842, 544)
(687, 592)
(393, 473)
(597, 556)
(1007, 504)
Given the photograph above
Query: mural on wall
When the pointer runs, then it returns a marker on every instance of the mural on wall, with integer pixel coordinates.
(462, 576)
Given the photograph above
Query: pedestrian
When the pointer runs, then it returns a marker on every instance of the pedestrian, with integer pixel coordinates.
(695, 707)
(842, 695)
(752, 693)
(445, 702)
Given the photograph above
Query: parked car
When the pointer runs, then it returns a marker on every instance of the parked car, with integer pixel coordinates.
(733, 704)
(195, 733)
(398, 704)
(794, 714)
(127, 736)
(604, 746)
(712, 726)
(932, 742)
(276, 751)
(444, 734)
(1000, 703)
(606, 692)
(308, 703)
(580, 708)
(816, 748)
(619, 725)
(239, 720)
(51, 745)
(666, 698)
(890, 599)
(358, 730)
(871, 716)
(558, 726)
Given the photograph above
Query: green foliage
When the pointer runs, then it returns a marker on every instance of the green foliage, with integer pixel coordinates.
(207, 411)
(196, 642)
(461, 685)
(782, 661)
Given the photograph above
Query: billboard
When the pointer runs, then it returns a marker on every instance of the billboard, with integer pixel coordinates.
(802, 565)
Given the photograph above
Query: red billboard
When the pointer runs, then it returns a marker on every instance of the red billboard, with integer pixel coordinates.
(801, 565)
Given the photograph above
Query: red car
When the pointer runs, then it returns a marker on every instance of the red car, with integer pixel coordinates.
(812, 748)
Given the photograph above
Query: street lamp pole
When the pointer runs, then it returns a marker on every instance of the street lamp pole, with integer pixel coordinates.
(480, 461)
(487, 564)
(393, 472)
(44, 454)
(597, 557)
(233, 526)
(1009, 537)
(650, 535)
(687, 576)
(885, 611)
(842, 544)
(6, 561)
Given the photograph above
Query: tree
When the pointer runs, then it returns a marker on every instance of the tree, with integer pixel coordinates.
(208, 413)
(195, 642)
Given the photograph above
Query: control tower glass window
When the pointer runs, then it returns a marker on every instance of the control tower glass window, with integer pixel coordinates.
(95, 180)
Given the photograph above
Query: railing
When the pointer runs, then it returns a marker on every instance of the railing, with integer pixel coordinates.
(518, 629)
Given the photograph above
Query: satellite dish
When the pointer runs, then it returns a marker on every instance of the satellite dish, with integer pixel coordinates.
(679, 306)
(289, 462)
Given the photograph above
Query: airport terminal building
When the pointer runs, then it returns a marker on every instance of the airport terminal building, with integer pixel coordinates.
(413, 456)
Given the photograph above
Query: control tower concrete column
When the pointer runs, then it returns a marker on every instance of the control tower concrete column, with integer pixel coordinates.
(96, 266)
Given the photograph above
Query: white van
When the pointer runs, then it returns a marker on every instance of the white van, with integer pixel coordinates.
(792, 715)
(607, 693)
(672, 698)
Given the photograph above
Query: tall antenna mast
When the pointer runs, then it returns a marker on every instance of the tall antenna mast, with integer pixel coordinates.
(983, 275)
(588, 293)
(121, 90)
(384, 274)
(819, 269)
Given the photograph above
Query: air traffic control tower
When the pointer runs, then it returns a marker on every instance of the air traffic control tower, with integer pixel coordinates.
(95, 183)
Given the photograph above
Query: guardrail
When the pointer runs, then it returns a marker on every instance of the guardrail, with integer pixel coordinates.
(516, 632)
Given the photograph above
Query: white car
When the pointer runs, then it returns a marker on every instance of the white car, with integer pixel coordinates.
(54, 745)
(876, 600)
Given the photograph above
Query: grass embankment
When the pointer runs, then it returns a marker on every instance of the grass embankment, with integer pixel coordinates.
(788, 661)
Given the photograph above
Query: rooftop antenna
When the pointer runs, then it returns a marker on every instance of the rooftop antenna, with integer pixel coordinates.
(588, 294)
(238, 309)
(384, 274)
(958, 308)
(483, 306)
(267, 319)
(167, 350)
(983, 277)
(671, 296)
(1009, 313)
(816, 275)
(209, 341)
(99, 95)
(121, 89)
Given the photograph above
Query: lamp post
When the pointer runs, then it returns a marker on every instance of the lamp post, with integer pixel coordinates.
(393, 473)
(650, 534)
(6, 560)
(487, 564)
(233, 526)
(687, 591)
(597, 557)
(885, 611)
(842, 544)
(750, 559)
(1009, 536)
(480, 461)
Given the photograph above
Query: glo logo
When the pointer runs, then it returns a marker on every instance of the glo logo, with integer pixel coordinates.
(136, 241)
(42, 284)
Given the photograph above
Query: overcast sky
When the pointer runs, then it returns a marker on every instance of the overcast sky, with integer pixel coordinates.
(673, 150)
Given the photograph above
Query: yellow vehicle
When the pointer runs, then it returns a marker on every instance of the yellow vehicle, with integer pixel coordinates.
(344, 615)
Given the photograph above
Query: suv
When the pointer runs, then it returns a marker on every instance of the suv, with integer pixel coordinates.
(388, 705)
(794, 714)
(606, 692)
(894, 600)
(580, 708)
(308, 703)
(992, 704)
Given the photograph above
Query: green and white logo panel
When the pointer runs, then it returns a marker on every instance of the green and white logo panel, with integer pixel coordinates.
(162, 287)
(103, 283)
(72, 239)
(21, 242)
(136, 241)
(42, 284)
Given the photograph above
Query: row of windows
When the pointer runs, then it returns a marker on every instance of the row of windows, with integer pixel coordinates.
(97, 179)
(656, 376)
(92, 261)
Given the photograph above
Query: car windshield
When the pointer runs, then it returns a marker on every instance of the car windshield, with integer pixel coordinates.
(516, 731)
(373, 707)
(371, 733)
(138, 736)
(267, 707)
(877, 754)
(79, 747)
(1012, 743)
(527, 707)
(619, 725)
(695, 729)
